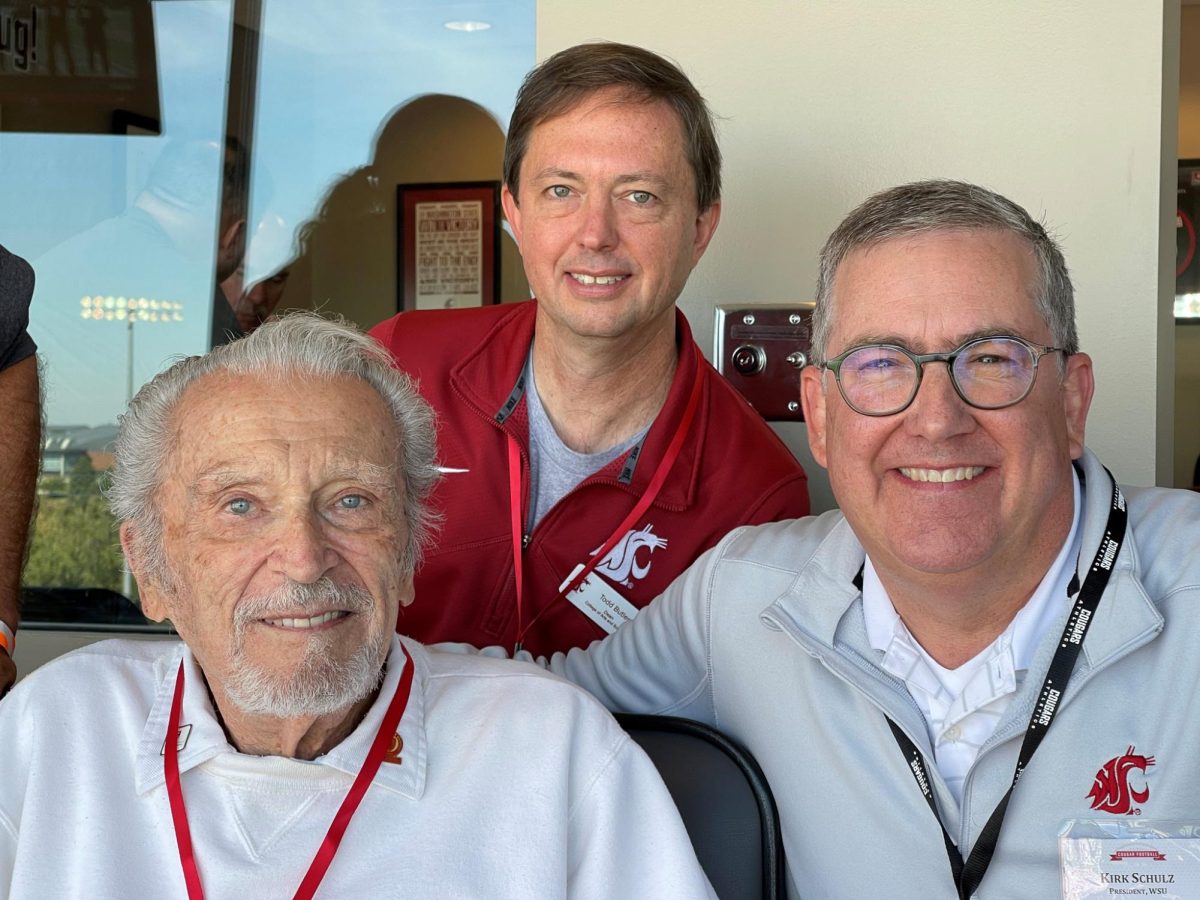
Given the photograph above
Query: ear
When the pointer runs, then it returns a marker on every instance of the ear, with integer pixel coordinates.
(512, 212)
(406, 591)
(812, 398)
(233, 235)
(706, 227)
(1078, 385)
(153, 597)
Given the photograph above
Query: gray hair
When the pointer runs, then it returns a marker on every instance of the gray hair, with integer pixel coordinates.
(300, 344)
(940, 205)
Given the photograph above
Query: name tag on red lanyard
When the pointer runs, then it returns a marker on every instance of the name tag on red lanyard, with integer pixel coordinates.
(599, 600)
(606, 610)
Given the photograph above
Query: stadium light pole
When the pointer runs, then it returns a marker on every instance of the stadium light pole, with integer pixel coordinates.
(120, 309)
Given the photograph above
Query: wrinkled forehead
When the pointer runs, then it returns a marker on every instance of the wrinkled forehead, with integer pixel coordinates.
(337, 422)
(977, 280)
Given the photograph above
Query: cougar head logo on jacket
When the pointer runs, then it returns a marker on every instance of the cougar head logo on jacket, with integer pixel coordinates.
(1111, 792)
(622, 560)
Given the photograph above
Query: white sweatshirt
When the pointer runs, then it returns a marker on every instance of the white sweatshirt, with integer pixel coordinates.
(511, 783)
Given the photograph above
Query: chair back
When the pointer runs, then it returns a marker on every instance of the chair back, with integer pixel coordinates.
(724, 800)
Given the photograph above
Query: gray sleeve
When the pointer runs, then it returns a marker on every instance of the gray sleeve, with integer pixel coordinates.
(656, 664)
(659, 662)
(16, 290)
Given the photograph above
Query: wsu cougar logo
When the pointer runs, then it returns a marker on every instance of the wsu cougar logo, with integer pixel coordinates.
(622, 560)
(1111, 792)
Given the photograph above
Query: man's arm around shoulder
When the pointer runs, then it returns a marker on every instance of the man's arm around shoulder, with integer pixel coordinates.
(658, 663)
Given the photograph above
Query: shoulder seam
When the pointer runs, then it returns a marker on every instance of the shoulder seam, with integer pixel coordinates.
(618, 744)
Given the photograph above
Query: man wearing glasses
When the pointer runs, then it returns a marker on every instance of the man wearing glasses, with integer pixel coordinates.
(986, 603)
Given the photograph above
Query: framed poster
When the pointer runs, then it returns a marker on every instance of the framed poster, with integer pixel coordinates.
(449, 253)
(1187, 256)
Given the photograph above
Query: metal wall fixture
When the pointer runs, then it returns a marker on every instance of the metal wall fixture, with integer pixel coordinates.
(760, 349)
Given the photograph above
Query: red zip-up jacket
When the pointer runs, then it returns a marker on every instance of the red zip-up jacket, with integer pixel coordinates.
(732, 470)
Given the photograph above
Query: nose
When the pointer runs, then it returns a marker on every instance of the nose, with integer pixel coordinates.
(937, 412)
(598, 224)
(302, 551)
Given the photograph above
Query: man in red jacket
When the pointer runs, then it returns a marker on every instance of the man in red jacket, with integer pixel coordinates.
(589, 451)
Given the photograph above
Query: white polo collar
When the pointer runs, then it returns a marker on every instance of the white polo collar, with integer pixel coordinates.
(1022, 636)
(204, 738)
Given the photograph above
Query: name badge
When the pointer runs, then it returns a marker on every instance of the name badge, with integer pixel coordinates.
(599, 601)
(1102, 859)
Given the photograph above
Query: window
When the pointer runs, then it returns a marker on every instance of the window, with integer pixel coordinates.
(176, 170)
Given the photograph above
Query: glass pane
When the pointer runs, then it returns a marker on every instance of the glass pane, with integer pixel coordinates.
(328, 107)
(354, 100)
(120, 229)
(95, 58)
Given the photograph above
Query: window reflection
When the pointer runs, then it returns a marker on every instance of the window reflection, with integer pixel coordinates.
(141, 256)
(151, 204)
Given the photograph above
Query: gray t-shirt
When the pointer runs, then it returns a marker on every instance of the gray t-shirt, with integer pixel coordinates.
(554, 468)
(16, 290)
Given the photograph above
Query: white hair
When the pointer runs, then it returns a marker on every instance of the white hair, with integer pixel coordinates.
(297, 345)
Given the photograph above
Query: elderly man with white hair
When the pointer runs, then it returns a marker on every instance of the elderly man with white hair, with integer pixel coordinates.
(271, 497)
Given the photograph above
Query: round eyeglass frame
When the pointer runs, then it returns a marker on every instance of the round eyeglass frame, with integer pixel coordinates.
(920, 359)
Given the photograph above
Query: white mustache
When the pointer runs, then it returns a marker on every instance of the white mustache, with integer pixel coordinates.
(297, 598)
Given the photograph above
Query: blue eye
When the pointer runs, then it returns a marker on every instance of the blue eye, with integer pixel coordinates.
(239, 506)
(641, 198)
(560, 192)
(881, 362)
(876, 364)
(352, 501)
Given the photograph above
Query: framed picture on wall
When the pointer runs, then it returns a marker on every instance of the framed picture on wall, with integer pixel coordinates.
(449, 253)
(1187, 254)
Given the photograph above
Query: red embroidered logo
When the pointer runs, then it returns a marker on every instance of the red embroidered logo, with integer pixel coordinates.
(1111, 792)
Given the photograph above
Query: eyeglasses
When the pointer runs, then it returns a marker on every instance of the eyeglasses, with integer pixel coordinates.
(987, 373)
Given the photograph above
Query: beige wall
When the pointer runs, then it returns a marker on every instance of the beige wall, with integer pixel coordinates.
(1187, 337)
(1058, 105)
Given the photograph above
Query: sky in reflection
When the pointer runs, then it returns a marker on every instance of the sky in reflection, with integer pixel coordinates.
(116, 219)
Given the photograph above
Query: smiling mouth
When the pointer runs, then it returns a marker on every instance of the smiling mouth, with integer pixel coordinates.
(942, 476)
(310, 622)
(597, 279)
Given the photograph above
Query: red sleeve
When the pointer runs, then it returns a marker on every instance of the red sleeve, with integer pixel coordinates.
(385, 332)
(786, 499)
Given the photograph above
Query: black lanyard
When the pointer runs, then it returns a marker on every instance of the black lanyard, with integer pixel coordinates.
(969, 875)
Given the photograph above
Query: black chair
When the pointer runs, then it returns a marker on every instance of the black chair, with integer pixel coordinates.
(725, 802)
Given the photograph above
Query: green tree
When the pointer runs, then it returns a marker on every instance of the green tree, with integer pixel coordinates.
(75, 538)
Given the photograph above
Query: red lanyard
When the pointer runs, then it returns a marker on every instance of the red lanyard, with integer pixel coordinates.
(329, 846)
(652, 490)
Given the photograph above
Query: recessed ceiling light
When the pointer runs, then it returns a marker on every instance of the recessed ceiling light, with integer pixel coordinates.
(468, 25)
